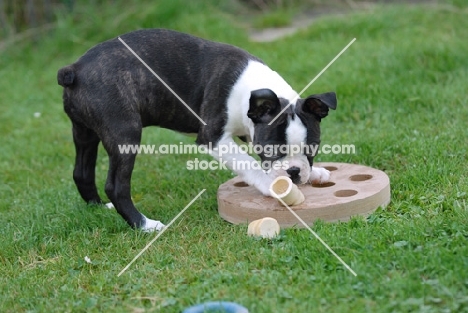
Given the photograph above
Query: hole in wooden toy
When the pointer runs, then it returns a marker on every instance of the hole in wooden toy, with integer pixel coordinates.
(331, 168)
(360, 177)
(323, 185)
(345, 193)
(241, 184)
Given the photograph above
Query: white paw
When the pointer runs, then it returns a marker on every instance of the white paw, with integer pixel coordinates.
(263, 185)
(319, 175)
(265, 190)
(259, 180)
(152, 225)
(110, 205)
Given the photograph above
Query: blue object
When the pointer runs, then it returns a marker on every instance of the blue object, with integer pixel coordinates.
(217, 307)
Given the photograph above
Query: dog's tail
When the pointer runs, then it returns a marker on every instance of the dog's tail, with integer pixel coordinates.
(66, 76)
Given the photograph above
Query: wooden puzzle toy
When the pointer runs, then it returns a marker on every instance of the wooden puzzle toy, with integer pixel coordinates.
(352, 190)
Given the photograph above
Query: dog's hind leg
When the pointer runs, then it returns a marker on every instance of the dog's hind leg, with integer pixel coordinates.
(121, 163)
(86, 146)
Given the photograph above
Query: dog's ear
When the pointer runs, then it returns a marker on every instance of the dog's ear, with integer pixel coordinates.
(319, 105)
(264, 106)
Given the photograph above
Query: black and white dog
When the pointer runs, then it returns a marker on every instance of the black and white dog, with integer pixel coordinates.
(110, 96)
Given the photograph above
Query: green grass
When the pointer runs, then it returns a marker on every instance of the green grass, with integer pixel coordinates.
(402, 103)
(275, 18)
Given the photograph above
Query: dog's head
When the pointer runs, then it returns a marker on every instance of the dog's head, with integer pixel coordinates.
(286, 136)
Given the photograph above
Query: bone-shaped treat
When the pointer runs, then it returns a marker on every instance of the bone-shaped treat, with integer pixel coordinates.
(283, 188)
(266, 227)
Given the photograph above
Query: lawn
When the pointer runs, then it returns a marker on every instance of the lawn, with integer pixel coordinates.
(402, 90)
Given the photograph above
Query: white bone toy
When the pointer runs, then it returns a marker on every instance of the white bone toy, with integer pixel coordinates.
(266, 227)
(283, 188)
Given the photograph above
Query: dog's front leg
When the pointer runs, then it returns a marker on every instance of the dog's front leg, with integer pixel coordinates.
(228, 153)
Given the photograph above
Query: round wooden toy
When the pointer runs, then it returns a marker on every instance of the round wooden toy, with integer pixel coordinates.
(352, 190)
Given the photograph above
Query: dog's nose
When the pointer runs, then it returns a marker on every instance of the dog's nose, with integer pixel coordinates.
(293, 171)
